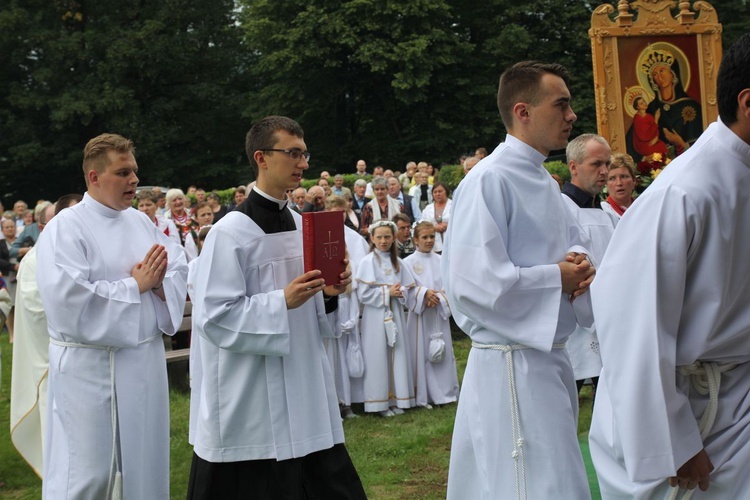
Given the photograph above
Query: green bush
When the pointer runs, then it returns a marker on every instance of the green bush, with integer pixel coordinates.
(226, 196)
(349, 180)
(450, 175)
(558, 167)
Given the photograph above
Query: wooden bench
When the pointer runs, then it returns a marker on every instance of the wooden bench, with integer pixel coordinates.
(177, 350)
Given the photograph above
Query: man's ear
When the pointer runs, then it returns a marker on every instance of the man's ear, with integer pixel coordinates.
(92, 176)
(260, 159)
(573, 168)
(743, 99)
(521, 112)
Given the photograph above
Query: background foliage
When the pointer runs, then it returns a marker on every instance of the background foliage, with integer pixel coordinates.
(376, 79)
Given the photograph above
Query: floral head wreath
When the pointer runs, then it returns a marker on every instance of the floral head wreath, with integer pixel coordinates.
(382, 223)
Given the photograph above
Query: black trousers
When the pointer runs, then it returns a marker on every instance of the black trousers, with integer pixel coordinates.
(326, 475)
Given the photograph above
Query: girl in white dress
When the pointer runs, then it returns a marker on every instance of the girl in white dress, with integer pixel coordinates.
(384, 286)
(429, 330)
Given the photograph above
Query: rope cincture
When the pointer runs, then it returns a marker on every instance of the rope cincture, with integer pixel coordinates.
(518, 441)
(706, 378)
(114, 486)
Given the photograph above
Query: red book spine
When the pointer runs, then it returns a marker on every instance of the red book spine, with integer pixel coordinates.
(308, 241)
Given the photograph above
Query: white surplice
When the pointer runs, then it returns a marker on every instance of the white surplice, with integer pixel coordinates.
(195, 368)
(168, 228)
(28, 393)
(267, 388)
(191, 248)
(105, 340)
(583, 344)
(345, 322)
(5, 306)
(509, 230)
(608, 209)
(435, 382)
(388, 379)
(680, 258)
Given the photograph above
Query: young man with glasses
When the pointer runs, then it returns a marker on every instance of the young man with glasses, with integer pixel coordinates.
(268, 424)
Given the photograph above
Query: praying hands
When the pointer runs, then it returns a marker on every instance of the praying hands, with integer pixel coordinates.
(150, 272)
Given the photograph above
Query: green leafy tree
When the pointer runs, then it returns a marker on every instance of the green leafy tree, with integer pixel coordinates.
(166, 74)
(366, 79)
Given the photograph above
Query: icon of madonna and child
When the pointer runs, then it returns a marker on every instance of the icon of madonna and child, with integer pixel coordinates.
(666, 120)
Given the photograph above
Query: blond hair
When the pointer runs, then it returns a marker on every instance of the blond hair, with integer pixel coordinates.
(96, 152)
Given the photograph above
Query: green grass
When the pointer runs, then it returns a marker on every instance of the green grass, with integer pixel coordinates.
(397, 458)
(20, 481)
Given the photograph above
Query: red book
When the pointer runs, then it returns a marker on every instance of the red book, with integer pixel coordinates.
(323, 244)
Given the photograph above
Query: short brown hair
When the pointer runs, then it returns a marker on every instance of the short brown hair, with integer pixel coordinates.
(66, 201)
(147, 194)
(262, 135)
(521, 83)
(622, 160)
(401, 217)
(96, 151)
(336, 201)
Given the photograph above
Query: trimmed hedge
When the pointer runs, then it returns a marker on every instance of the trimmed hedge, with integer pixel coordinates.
(450, 175)
(558, 167)
(349, 180)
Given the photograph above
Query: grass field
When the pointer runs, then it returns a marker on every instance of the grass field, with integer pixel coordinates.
(405, 457)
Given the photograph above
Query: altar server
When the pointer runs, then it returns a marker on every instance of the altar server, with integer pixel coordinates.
(268, 423)
(673, 407)
(512, 264)
(28, 394)
(344, 350)
(111, 283)
(589, 157)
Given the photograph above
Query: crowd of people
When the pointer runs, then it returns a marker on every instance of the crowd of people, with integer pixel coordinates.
(553, 284)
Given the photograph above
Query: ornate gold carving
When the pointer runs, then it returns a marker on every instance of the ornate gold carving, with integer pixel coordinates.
(618, 19)
(657, 31)
(614, 142)
(654, 6)
(603, 101)
(708, 60)
(706, 12)
(608, 64)
(657, 20)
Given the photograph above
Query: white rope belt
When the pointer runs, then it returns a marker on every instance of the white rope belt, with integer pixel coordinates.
(115, 474)
(706, 378)
(517, 453)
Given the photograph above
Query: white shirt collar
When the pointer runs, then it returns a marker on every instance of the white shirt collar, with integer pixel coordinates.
(734, 142)
(518, 144)
(100, 208)
(281, 203)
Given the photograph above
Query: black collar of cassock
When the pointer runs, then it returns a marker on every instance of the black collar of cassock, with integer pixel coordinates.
(267, 214)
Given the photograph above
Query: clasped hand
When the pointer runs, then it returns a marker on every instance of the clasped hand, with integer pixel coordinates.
(577, 273)
(431, 298)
